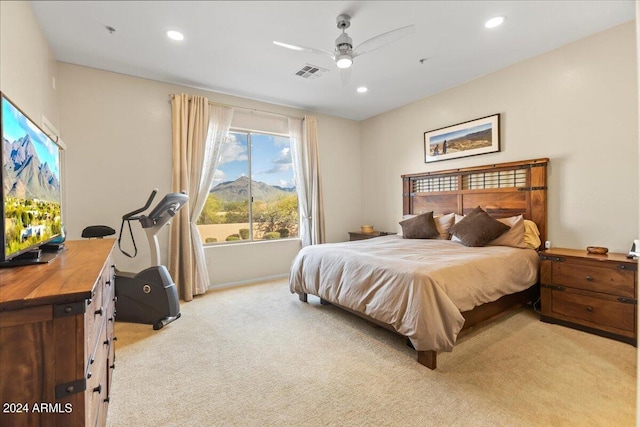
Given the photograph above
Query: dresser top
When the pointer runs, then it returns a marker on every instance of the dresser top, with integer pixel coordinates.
(69, 277)
(582, 253)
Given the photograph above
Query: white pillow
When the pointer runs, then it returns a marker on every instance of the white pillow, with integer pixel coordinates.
(443, 224)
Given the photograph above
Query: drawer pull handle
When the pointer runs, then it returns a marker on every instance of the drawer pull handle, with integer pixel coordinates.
(106, 342)
(89, 374)
(589, 279)
(113, 366)
(590, 309)
(106, 400)
(99, 311)
(98, 389)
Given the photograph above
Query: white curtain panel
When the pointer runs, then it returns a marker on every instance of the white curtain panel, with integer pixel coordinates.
(219, 123)
(300, 174)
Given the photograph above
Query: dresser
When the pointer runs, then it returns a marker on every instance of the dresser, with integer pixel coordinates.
(57, 348)
(594, 293)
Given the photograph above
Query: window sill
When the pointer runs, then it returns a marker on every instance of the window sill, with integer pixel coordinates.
(247, 242)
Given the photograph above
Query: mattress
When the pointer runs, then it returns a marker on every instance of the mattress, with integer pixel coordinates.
(418, 287)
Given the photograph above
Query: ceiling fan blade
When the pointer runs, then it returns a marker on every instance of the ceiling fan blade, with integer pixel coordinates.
(383, 39)
(345, 76)
(304, 49)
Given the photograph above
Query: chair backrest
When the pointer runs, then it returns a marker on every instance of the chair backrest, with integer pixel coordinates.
(97, 231)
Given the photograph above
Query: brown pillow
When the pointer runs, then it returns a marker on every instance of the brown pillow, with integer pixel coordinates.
(478, 228)
(419, 227)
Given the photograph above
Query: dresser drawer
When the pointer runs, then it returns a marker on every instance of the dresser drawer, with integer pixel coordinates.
(94, 395)
(97, 372)
(613, 280)
(93, 320)
(590, 309)
(108, 284)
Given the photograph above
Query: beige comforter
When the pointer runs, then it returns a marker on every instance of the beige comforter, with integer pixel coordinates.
(418, 287)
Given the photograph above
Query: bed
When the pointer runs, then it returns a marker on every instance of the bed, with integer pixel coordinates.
(431, 290)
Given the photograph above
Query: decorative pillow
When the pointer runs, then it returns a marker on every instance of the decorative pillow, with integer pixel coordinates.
(531, 235)
(478, 228)
(408, 216)
(444, 224)
(419, 227)
(515, 236)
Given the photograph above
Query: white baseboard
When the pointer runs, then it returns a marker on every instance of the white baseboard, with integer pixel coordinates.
(247, 282)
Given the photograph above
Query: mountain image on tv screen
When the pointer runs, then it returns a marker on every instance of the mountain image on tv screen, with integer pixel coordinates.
(30, 182)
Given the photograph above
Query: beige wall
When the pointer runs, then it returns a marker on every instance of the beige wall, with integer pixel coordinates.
(27, 65)
(576, 105)
(118, 132)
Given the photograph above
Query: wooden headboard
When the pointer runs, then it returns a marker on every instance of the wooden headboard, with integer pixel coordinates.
(502, 190)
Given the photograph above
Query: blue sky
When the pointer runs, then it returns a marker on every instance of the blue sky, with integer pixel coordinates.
(270, 159)
(456, 134)
(15, 126)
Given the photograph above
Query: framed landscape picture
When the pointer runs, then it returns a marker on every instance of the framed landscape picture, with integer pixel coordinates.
(479, 136)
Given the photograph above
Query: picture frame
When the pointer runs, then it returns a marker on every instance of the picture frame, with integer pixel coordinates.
(471, 138)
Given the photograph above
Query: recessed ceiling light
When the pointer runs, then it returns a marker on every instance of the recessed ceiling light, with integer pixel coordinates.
(494, 22)
(362, 89)
(175, 35)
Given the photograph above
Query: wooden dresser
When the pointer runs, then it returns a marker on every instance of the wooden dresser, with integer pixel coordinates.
(56, 338)
(595, 293)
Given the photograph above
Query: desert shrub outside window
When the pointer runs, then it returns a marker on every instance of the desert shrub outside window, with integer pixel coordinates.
(253, 195)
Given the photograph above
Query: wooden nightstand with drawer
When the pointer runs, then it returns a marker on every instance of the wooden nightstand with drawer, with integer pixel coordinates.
(593, 293)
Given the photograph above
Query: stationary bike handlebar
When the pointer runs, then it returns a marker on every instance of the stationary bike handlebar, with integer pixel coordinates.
(142, 209)
(158, 217)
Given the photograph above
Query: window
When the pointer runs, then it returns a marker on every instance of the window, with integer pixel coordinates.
(253, 194)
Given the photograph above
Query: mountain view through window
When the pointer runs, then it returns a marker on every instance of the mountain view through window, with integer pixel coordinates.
(253, 194)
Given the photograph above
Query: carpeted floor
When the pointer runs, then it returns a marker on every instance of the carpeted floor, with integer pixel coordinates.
(257, 356)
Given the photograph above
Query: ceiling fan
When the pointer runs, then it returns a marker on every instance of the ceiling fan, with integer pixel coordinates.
(344, 52)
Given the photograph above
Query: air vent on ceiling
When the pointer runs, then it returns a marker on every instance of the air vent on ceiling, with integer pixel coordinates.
(311, 71)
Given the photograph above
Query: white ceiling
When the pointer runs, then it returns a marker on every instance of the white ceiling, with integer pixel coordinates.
(228, 44)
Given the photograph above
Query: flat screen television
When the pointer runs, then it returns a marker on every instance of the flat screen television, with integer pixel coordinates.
(31, 192)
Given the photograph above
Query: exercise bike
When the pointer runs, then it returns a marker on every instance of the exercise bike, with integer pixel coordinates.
(150, 296)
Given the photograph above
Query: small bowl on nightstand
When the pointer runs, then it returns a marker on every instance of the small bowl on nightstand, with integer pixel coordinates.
(599, 250)
(366, 228)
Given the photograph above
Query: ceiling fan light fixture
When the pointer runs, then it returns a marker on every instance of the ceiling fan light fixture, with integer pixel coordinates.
(175, 35)
(494, 22)
(344, 61)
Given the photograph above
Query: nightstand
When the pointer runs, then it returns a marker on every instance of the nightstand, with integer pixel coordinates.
(358, 235)
(593, 293)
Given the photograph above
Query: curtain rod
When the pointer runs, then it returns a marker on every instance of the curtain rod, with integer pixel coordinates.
(245, 108)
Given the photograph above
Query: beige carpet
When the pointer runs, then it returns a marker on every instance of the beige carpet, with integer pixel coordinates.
(256, 356)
